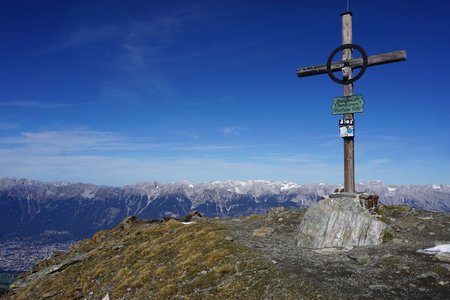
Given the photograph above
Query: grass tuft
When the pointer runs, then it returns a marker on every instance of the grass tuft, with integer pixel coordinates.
(162, 261)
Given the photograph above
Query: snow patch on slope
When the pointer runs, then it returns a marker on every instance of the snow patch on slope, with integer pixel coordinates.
(436, 186)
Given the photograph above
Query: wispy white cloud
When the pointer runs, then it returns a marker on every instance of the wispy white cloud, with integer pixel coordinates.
(21, 103)
(145, 38)
(85, 35)
(233, 130)
(102, 169)
(140, 43)
(8, 125)
(380, 161)
(307, 159)
(374, 143)
(40, 104)
(110, 158)
(207, 148)
(135, 54)
(113, 93)
(71, 141)
(143, 43)
(403, 172)
(221, 99)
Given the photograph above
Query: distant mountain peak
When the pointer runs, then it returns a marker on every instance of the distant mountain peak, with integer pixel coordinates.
(30, 207)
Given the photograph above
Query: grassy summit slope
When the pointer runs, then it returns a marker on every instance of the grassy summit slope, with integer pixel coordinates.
(140, 260)
(252, 257)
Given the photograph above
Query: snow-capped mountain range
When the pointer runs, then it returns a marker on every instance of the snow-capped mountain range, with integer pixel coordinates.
(65, 210)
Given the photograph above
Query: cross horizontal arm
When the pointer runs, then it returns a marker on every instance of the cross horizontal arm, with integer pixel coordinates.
(356, 63)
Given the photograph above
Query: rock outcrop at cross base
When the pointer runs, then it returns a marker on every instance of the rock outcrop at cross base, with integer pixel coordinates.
(339, 223)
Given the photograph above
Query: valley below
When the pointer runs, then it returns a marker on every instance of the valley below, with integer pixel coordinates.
(39, 220)
(252, 257)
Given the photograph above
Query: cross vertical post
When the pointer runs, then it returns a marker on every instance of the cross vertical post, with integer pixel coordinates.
(346, 66)
(349, 142)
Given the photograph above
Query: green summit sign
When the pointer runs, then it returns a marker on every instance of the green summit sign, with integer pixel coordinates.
(347, 105)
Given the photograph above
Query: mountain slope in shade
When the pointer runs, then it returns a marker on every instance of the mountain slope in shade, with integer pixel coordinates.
(63, 211)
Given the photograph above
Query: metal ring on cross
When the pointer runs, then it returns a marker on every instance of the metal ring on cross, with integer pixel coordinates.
(363, 67)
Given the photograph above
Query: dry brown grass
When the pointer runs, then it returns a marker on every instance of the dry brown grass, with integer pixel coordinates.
(255, 217)
(158, 261)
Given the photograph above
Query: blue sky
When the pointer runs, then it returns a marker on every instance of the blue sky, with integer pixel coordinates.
(117, 92)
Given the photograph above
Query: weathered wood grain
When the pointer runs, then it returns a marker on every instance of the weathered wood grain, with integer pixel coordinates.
(349, 143)
(356, 63)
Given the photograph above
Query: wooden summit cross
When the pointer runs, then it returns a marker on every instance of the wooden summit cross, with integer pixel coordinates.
(346, 66)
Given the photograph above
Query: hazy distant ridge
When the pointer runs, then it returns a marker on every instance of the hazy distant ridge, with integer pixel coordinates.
(60, 211)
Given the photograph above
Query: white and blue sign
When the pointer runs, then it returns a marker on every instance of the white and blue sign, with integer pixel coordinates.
(347, 128)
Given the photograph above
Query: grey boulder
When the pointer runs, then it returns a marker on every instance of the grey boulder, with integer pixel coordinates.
(339, 223)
